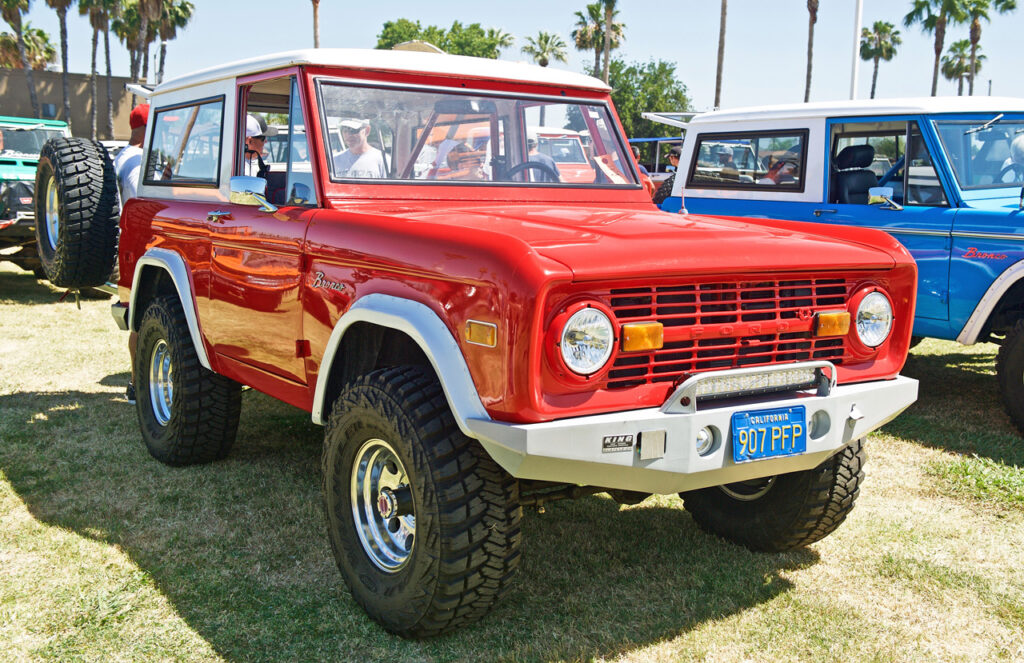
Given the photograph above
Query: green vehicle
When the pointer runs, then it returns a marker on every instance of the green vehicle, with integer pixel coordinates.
(21, 139)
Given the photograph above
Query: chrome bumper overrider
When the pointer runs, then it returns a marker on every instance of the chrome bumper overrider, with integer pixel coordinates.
(611, 450)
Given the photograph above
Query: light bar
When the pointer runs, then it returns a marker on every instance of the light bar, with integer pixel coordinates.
(756, 383)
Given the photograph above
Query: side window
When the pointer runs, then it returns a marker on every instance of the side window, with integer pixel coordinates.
(274, 145)
(750, 161)
(185, 149)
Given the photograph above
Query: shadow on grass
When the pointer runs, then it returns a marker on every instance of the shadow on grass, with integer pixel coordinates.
(959, 407)
(24, 288)
(238, 547)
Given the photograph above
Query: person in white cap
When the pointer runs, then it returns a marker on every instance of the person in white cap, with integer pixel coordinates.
(256, 132)
(360, 159)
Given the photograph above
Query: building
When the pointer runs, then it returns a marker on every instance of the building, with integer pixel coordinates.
(15, 100)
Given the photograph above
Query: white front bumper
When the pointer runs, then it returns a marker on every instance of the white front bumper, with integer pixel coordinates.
(570, 450)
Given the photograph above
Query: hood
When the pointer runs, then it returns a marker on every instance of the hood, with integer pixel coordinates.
(1004, 200)
(18, 168)
(597, 242)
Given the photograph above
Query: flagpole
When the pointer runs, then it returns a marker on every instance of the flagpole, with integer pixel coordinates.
(856, 48)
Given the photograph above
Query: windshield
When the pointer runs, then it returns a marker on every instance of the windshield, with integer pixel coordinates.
(985, 159)
(28, 141)
(423, 135)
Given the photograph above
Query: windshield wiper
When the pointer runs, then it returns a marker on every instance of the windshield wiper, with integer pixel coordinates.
(974, 130)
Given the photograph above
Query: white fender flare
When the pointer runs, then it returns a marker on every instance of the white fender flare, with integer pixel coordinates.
(174, 265)
(424, 327)
(972, 329)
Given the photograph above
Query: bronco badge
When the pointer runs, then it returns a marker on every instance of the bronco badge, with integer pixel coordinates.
(321, 282)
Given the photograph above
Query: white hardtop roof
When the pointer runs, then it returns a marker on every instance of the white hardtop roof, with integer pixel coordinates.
(381, 60)
(909, 106)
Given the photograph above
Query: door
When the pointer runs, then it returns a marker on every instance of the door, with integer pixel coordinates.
(256, 255)
(922, 220)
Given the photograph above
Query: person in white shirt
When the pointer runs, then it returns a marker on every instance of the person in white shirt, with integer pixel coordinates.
(256, 132)
(128, 162)
(360, 159)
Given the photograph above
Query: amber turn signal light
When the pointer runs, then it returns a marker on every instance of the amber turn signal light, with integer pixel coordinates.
(481, 333)
(640, 336)
(832, 324)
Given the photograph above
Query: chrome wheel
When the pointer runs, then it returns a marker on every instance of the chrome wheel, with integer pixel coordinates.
(52, 213)
(382, 505)
(748, 491)
(161, 382)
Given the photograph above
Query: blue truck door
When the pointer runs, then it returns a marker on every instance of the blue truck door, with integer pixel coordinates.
(925, 222)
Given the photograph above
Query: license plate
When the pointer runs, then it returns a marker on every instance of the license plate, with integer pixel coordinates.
(769, 433)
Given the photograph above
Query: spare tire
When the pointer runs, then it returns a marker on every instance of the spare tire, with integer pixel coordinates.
(77, 212)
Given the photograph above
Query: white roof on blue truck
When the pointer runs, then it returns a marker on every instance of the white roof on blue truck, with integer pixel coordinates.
(385, 61)
(865, 107)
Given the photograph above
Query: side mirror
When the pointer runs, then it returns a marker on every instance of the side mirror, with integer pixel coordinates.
(247, 190)
(882, 195)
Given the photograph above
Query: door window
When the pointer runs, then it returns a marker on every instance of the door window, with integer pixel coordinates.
(893, 144)
(279, 151)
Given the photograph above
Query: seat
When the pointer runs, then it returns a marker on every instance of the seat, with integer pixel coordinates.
(852, 179)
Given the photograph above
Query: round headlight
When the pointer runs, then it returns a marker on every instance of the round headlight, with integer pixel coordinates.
(874, 319)
(587, 341)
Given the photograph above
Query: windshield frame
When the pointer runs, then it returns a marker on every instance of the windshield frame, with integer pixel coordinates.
(967, 123)
(33, 129)
(320, 81)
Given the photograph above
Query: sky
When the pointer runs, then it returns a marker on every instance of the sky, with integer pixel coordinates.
(765, 52)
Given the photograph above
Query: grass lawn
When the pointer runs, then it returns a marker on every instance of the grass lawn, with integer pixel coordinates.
(107, 555)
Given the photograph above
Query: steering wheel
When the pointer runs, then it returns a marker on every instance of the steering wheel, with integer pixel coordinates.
(889, 174)
(1012, 167)
(526, 165)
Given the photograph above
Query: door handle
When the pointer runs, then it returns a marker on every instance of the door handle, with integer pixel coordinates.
(819, 212)
(218, 216)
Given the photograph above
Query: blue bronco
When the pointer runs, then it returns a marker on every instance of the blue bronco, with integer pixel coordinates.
(945, 176)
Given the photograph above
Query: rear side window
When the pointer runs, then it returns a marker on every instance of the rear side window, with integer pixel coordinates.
(185, 148)
(749, 161)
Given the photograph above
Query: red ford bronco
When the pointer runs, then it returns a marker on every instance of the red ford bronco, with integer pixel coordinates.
(475, 332)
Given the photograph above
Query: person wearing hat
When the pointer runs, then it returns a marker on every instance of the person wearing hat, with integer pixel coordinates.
(665, 190)
(129, 160)
(256, 133)
(360, 159)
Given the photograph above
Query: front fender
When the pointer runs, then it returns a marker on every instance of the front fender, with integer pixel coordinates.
(427, 330)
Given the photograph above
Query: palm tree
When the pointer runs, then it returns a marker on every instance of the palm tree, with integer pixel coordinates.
(812, 9)
(545, 48)
(12, 12)
(101, 13)
(956, 64)
(721, 55)
(316, 23)
(977, 10)
(879, 43)
(501, 40)
(61, 7)
(589, 32)
(38, 48)
(174, 16)
(149, 19)
(934, 16)
(609, 20)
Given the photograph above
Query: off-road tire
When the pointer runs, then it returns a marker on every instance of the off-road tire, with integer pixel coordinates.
(1010, 373)
(82, 251)
(204, 407)
(798, 509)
(466, 508)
